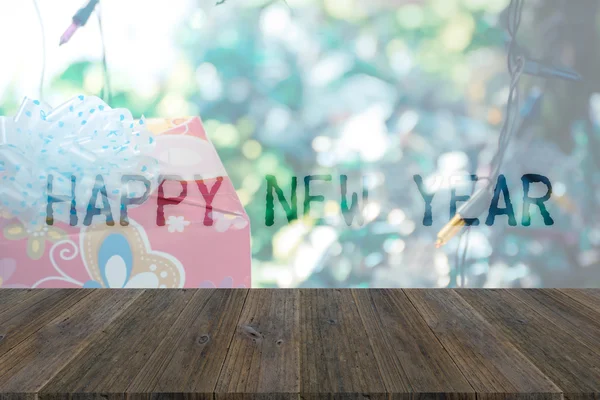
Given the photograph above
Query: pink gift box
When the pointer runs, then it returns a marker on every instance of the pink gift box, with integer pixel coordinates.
(204, 240)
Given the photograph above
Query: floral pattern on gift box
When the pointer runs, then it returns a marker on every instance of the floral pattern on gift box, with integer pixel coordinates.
(4, 214)
(121, 257)
(175, 126)
(115, 257)
(223, 222)
(8, 266)
(226, 283)
(36, 239)
(176, 224)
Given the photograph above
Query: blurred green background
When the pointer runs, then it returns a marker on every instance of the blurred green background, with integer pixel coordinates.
(379, 90)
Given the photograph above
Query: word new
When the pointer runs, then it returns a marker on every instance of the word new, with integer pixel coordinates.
(105, 210)
(494, 210)
(291, 208)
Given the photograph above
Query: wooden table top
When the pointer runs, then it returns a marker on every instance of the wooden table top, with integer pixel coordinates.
(301, 344)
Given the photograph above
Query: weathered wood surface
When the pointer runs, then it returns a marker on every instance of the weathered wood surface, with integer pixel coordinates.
(299, 344)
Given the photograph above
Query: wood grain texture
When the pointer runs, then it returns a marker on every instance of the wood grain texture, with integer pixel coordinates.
(239, 344)
(588, 297)
(122, 350)
(566, 314)
(569, 363)
(33, 312)
(263, 358)
(29, 366)
(336, 356)
(491, 364)
(190, 358)
(410, 357)
(11, 297)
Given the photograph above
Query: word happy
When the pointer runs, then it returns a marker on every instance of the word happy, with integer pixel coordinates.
(99, 190)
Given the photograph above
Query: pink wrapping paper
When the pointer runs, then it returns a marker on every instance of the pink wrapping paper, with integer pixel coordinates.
(197, 247)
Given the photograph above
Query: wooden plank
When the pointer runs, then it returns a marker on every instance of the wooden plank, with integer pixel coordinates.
(410, 357)
(119, 353)
(190, 358)
(18, 396)
(264, 355)
(588, 297)
(491, 364)
(569, 363)
(336, 358)
(33, 312)
(30, 365)
(306, 344)
(566, 313)
(11, 297)
(23, 299)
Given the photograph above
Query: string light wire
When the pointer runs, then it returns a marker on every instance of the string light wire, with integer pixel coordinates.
(515, 64)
